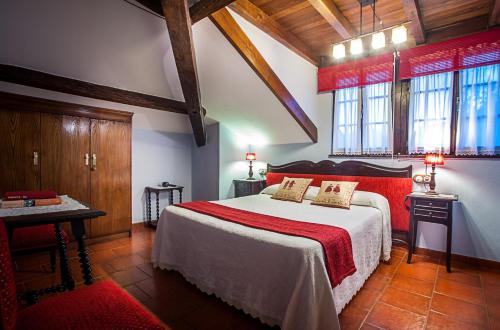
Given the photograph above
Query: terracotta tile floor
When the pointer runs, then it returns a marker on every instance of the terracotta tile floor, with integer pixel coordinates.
(396, 296)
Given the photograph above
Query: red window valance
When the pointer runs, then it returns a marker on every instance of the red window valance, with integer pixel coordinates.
(367, 71)
(456, 54)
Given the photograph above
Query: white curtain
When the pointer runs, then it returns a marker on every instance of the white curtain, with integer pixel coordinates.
(377, 119)
(429, 128)
(479, 112)
(346, 121)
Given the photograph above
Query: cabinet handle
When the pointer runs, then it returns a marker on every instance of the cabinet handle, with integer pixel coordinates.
(87, 159)
(35, 158)
(94, 162)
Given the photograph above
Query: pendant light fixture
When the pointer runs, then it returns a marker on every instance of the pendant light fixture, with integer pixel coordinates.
(378, 37)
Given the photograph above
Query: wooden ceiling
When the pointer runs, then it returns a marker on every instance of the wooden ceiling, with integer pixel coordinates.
(318, 24)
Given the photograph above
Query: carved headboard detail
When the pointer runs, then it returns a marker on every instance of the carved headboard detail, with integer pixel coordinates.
(350, 167)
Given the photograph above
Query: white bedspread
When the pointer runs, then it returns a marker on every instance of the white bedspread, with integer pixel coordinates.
(280, 279)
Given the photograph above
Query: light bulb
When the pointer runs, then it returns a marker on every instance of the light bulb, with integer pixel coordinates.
(378, 40)
(356, 46)
(399, 34)
(338, 51)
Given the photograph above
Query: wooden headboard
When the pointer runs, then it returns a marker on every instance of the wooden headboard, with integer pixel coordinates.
(350, 167)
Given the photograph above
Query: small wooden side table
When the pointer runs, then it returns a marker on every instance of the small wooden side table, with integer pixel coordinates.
(157, 190)
(435, 209)
(245, 187)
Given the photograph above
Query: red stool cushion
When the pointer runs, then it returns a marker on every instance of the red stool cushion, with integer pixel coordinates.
(8, 299)
(35, 237)
(99, 306)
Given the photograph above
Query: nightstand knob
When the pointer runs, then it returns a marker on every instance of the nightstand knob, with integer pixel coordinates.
(430, 204)
(430, 213)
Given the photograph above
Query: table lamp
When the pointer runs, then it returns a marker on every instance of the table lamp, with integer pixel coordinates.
(433, 160)
(250, 157)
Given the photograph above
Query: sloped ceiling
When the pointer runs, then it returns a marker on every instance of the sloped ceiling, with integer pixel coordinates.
(115, 44)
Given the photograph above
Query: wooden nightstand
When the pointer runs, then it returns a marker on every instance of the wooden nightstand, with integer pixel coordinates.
(244, 187)
(435, 209)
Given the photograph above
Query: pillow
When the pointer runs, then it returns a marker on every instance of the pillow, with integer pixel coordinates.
(292, 189)
(366, 198)
(335, 194)
(311, 192)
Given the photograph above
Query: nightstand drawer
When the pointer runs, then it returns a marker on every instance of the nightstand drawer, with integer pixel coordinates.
(431, 203)
(426, 213)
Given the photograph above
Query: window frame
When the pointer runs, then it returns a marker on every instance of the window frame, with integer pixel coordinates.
(401, 107)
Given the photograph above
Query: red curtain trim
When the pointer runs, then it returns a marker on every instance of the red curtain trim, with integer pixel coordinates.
(471, 51)
(366, 71)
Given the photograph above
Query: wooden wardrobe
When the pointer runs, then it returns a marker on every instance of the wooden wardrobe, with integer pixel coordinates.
(80, 151)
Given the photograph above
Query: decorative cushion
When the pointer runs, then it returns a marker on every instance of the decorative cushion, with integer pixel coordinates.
(35, 237)
(8, 298)
(335, 194)
(394, 189)
(102, 305)
(292, 189)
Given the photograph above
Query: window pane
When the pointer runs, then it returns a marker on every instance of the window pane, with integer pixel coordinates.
(478, 119)
(346, 133)
(430, 113)
(377, 119)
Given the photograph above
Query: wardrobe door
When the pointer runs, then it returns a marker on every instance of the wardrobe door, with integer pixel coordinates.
(65, 152)
(19, 150)
(111, 176)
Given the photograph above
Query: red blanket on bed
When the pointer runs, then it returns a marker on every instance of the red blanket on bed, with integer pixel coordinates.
(336, 241)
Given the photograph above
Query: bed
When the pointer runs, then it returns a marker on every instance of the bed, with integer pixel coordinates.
(282, 279)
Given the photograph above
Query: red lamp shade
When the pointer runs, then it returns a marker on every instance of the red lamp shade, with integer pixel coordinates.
(251, 156)
(434, 159)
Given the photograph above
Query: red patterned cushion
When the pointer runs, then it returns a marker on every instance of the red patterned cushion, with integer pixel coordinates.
(34, 237)
(99, 306)
(394, 189)
(8, 300)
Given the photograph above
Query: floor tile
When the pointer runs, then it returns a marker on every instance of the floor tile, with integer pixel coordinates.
(460, 291)
(438, 321)
(137, 293)
(377, 282)
(461, 276)
(412, 285)
(389, 317)
(406, 300)
(421, 271)
(459, 309)
(352, 317)
(365, 299)
(129, 276)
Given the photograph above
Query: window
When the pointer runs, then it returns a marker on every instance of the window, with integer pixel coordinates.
(372, 112)
(377, 119)
(429, 126)
(478, 130)
(346, 133)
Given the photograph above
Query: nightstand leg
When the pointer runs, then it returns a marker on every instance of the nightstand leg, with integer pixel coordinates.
(415, 231)
(410, 242)
(448, 247)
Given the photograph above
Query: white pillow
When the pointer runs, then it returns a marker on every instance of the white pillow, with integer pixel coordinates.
(270, 190)
(366, 198)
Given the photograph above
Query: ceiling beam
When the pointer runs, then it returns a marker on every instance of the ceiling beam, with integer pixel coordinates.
(204, 8)
(260, 19)
(237, 37)
(495, 13)
(414, 15)
(458, 29)
(176, 14)
(197, 12)
(38, 79)
(332, 14)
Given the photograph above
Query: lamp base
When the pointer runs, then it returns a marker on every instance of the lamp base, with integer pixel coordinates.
(431, 192)
(250, 178)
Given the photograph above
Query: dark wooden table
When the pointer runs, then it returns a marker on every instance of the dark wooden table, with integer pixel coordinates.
(76, 218)
(245, 187)
(434, 209)
(157, 190)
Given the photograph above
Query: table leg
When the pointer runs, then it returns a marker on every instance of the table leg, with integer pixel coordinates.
(448, 247)
(148, 206)
(170, 197)
(157, 206)
(410, 242)
(78, 228)
(180, 196)
(415, 231)
(67, 280)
